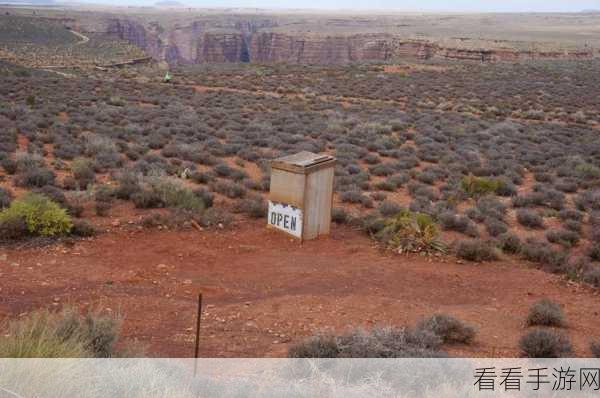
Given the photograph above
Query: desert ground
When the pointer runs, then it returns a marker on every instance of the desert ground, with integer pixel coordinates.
(464, 185)
(262, 290)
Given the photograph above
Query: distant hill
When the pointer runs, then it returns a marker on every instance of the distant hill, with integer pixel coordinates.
(168, 3)
(29, 2)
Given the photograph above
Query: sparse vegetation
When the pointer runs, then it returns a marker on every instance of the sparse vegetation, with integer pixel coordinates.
(544, 343)
(510, 243)
(416, 166)
(530, 219)
(563, 237)
(449, 329)
(61, 335)
(378, 343)
(477, 250)
(545, 313)
(423, 341)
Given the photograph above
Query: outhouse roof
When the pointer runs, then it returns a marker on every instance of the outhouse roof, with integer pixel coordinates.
(303, 161)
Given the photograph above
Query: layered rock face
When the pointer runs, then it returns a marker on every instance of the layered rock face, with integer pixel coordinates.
(275, 47)
(248, 42)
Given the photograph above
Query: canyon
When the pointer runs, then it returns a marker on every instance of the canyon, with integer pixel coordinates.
(193, 45)
(265, 39)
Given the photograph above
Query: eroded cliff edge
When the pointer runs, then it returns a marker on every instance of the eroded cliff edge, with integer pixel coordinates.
(255, 41)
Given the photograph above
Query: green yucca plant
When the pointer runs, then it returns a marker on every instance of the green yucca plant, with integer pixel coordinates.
(411, 232)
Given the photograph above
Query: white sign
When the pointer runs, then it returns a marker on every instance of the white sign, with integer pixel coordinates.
(286, 218)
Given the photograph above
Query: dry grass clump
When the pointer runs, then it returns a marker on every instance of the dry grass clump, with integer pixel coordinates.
(67, 334)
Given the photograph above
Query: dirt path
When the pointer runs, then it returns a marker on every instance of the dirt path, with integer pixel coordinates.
(84, 39)
(263, 290)
(63, 74)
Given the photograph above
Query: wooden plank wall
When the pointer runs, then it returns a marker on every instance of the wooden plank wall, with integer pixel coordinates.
(287, 188)
(317, 204)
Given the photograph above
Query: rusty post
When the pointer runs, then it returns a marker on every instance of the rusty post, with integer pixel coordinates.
(197, 348)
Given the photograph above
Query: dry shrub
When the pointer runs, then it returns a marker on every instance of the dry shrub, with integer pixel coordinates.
(530, 218)
(477, 250)
(448, 329)
(61, 335)
(509, 243)
(544, 343)
(563, 237)
(339, 215)
(595, 348)
(255, 207)
(546, 313)
(381, 342)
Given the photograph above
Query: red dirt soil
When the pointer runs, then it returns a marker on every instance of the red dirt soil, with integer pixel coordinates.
(263, 290)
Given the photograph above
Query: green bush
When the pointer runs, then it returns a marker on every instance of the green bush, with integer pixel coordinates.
(411, 232)
(42, 216)
(479, 186)
(175, 195)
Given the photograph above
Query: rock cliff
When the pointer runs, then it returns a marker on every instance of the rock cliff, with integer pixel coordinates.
(253, 41)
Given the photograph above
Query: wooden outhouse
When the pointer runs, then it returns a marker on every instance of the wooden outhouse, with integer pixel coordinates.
(302, 194)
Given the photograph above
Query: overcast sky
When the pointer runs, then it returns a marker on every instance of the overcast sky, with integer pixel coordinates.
(422, 5)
